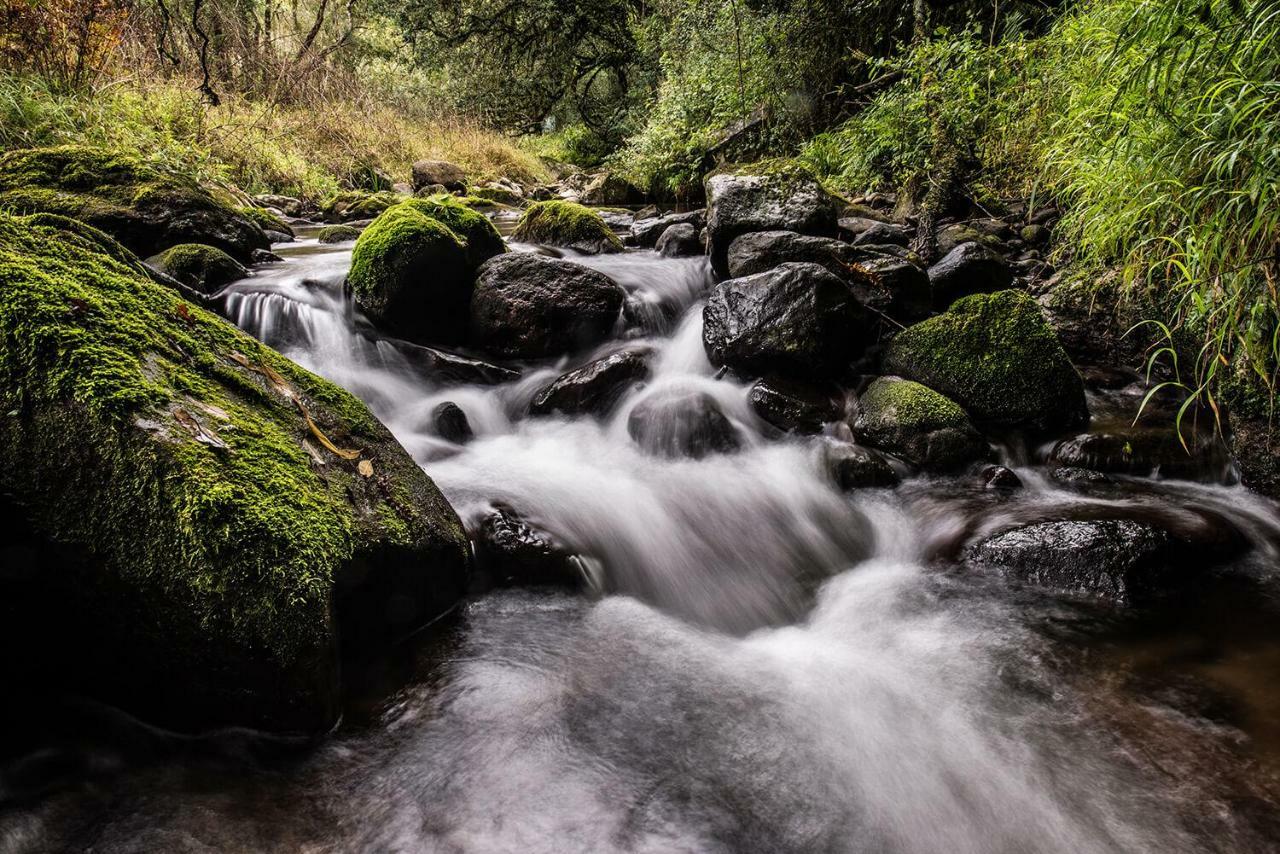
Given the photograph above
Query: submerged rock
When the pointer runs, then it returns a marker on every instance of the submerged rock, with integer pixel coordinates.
(782, 200)
(231, 515)
(594, 388)
(918, 424)
(797, 320)
(412, 268)
(1000, 478)
(514, 552)
(682, 424)
(205, 268)
(451, 423)
(567, 224)
(145, 210)
(1123, 560)
(795, 406)
(856, 467)
(1147, 451)
(528, 306)
(995, 355)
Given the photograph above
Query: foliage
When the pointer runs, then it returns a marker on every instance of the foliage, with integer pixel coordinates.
(1167, 155)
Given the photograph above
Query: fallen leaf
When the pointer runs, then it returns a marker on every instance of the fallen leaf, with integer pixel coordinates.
(365, 468)
(321, 437)
(185, 314)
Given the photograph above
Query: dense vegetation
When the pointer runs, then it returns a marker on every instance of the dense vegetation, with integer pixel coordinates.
(1151, 122)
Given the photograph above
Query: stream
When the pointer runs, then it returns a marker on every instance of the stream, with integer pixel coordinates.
(765, 664)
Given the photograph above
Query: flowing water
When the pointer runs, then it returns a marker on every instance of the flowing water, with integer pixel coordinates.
(766, 664)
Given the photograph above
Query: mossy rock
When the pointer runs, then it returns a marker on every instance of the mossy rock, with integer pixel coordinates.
(205, 268)
(996, 356)
(144, 209)
(358, 204)
(337, 234)
(413, 268)
(917, 424)
(268, 221)
(226, 514)
(500, 195)
(568, 224)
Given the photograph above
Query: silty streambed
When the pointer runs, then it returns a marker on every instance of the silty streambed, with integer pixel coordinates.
(771, 665)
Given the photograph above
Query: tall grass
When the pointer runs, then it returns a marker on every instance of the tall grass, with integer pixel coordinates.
(309, 149)
(1168, 153)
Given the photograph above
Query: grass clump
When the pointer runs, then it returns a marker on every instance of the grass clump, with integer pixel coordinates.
(558, 223)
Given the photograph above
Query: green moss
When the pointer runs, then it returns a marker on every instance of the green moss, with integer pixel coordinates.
(493, 196)
(206, 268)
(172, 445)
(358, 204)
(337, 234)
(266, 220)
(996, 355)
(399, 241)
(558, 223)
(142, 207)
(476, 231)
(910, 405)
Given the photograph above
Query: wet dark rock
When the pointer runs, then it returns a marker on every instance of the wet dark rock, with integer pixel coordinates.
(795, 406)
(995, 355)
(451, 369)
(682, 424)
(678, 241)
(892, 287)
(448, 175)
(278, 237)
(862, 230)
(1093, 319)
(646, 231)
(1077, 476)
(609, 188)
(740, 203)
(761, 251)
(1034, 235)
(515, 552)
(856, 467)
(798, 319)
(1120, 559)
(918, 424)
(1147, 451)
(451, 423)
(264, 256)
(953, 236)
(529, 306)
(968, 269)
(1001, 478)
(594, 388)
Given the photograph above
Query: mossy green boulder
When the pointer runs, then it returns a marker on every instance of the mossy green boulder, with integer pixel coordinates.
(413, 269)
(916, 423)
(567, 224)
(268, 221)
(351, 205)
(145, 209)
(222, 517)
(205, 268)
(996, 356)
(337, 234)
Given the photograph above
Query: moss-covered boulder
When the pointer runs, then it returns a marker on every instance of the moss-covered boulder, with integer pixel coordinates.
(145, 209)
(568, 224)
(220, 517)
(205, 268)
(268, 221)
(413, 269)
(917, 424)
(996, 356)
(337, 234)
(351, 205)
